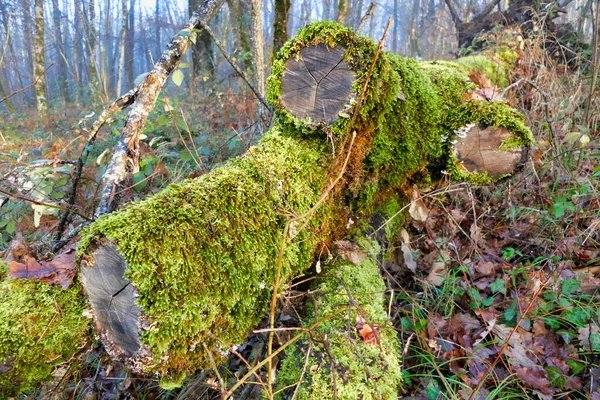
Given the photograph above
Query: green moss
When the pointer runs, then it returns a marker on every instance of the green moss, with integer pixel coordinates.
(41, 326)
(451, 82)
(171, 382)
(496, 70)
(362, 370)
(203, 253)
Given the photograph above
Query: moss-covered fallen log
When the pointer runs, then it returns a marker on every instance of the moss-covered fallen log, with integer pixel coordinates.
(193, 267)
(356, 353)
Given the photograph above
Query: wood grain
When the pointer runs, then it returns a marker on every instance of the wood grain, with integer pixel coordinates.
(478, 151)
(318, 84)
(112, 298)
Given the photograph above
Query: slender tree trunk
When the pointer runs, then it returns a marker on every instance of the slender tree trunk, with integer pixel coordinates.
(78, 65)
(7, 102)
(240, 15)
(39, 59)
(121, 65)
(130, 47)
(259, 57)
(280, 24)
(3, 93)
(62, 67)
(342, 11)
(395, 28)
(28, 20)
(203, 63)
(156, 29)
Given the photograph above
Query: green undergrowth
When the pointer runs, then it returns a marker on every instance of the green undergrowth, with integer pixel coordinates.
(362, 368)
(41, 326)
(203, 253)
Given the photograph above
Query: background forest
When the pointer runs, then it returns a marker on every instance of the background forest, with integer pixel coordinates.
(476, 275)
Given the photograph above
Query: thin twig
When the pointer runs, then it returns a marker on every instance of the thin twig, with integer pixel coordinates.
(269, 357)
(517, 324)
(241, 73)
(40, 203)
(30, 85)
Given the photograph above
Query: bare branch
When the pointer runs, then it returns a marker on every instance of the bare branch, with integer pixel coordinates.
(367, 15)
(488, 9)
(125, 158)
(241, 73)
(39, 78)
(455, 18)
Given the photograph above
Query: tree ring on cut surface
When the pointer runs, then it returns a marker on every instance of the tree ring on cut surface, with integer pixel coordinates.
(318, 84)
(479, 150)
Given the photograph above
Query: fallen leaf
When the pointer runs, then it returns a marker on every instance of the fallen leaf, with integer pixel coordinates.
(417, 208)
(58, 271)
(17, 249)
(368, 332)
(536, 378)
(438, 270)
(349, 252)
(411, 264)
(479, 78)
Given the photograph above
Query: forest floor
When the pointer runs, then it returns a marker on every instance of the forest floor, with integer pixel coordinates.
(495, 293)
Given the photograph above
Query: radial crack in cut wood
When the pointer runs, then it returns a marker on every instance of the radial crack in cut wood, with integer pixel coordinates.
(112, 298)
(318, 84)
(480, 149)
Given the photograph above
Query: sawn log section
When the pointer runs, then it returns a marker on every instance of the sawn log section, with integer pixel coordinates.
(192, 268)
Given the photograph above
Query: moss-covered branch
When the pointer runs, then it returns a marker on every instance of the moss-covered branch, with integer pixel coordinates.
(356, 354)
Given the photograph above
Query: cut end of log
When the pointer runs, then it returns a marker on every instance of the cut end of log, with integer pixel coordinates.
(479, 150)
(112, 299)
(317, 85)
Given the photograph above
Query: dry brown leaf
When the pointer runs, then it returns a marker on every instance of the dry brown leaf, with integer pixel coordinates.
(438, 270)
(59, 271)
(17, 249)
(536, 378)
(368, 332)
(480, 79)
(411, 264)
(485, 269)
(417, 208)
(349, 252)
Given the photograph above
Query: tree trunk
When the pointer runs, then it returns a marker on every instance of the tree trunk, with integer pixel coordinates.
(130, 46)
(62, 66)
(203, 63)
(121, 63)
(354, 352)
(259, 55)
(342, 11)
(39, 58)
(193, 267)
(280, 24)
(240, 13)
